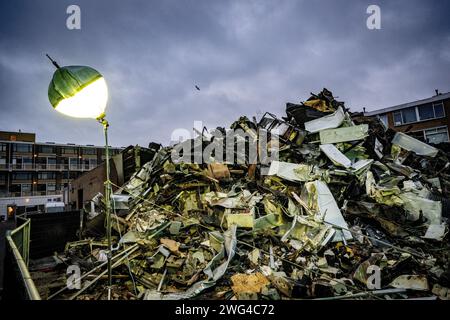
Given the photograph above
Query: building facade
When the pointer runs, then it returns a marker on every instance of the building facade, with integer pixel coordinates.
(41, 170)
(123, 166)
(426, 120)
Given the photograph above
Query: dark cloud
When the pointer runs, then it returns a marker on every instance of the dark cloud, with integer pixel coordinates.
(246, 56)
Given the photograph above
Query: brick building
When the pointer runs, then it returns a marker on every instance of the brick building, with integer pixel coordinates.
(425, 119)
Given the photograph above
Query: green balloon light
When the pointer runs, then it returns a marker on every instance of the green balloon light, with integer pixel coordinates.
(78, 91)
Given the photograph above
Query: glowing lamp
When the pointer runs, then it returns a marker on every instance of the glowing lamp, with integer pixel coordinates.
(78, 91)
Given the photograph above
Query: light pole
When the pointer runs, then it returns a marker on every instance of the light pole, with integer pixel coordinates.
(81, 92)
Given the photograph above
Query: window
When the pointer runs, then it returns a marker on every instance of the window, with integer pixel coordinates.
(51, 160)
(27, 163)
(436, 135)
(69, 150)
(3, 191)
(431, 111)
(17, 160)
(51, 187)
(22, 147)
(73, 163)
(398, 118)
(420, 113)
(26, 187)
(22, 176)
(426, 111)
(384, 119)
(70, 175)
(438, 109)
(46, 149)
(89, 151)
(14, 188)
(407, 115)
(2, 147)
(46, 175)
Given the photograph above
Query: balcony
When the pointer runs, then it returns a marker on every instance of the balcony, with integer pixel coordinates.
(12, 194)
(81, 167)
(43, 180)
(30, 194)
(46, 167)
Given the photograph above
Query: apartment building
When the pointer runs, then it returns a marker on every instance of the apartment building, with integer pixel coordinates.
(426, 119)
(31, 171)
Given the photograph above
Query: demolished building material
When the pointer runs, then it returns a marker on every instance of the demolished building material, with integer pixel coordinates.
(343, 201)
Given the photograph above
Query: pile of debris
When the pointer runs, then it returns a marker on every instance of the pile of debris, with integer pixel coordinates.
(339, 207)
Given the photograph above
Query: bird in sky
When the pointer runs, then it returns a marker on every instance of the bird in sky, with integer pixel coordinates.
(196, 87)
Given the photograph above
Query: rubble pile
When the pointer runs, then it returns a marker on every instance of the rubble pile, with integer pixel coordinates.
(346, 209)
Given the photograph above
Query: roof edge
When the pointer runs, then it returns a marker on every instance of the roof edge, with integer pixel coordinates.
(442, 96)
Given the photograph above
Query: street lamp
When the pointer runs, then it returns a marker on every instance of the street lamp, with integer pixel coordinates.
(81, 92)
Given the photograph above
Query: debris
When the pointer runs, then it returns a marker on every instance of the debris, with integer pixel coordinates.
(442, 292)
(335, 155)
(411, 144)
(343, 197)
(219, 171)
(344, 134)
(331, 121)
(319, 199)
(435, 231)
(248, 283)
(172, 245)
(411, 282)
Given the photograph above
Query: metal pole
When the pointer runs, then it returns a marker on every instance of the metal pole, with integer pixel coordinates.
(108, 205)
(364, 294)
(80, 234)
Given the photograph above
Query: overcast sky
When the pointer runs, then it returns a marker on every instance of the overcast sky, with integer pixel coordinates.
(247, 57)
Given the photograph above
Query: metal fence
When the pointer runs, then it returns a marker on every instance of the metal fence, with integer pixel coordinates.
(18, 281)
(51, 231)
